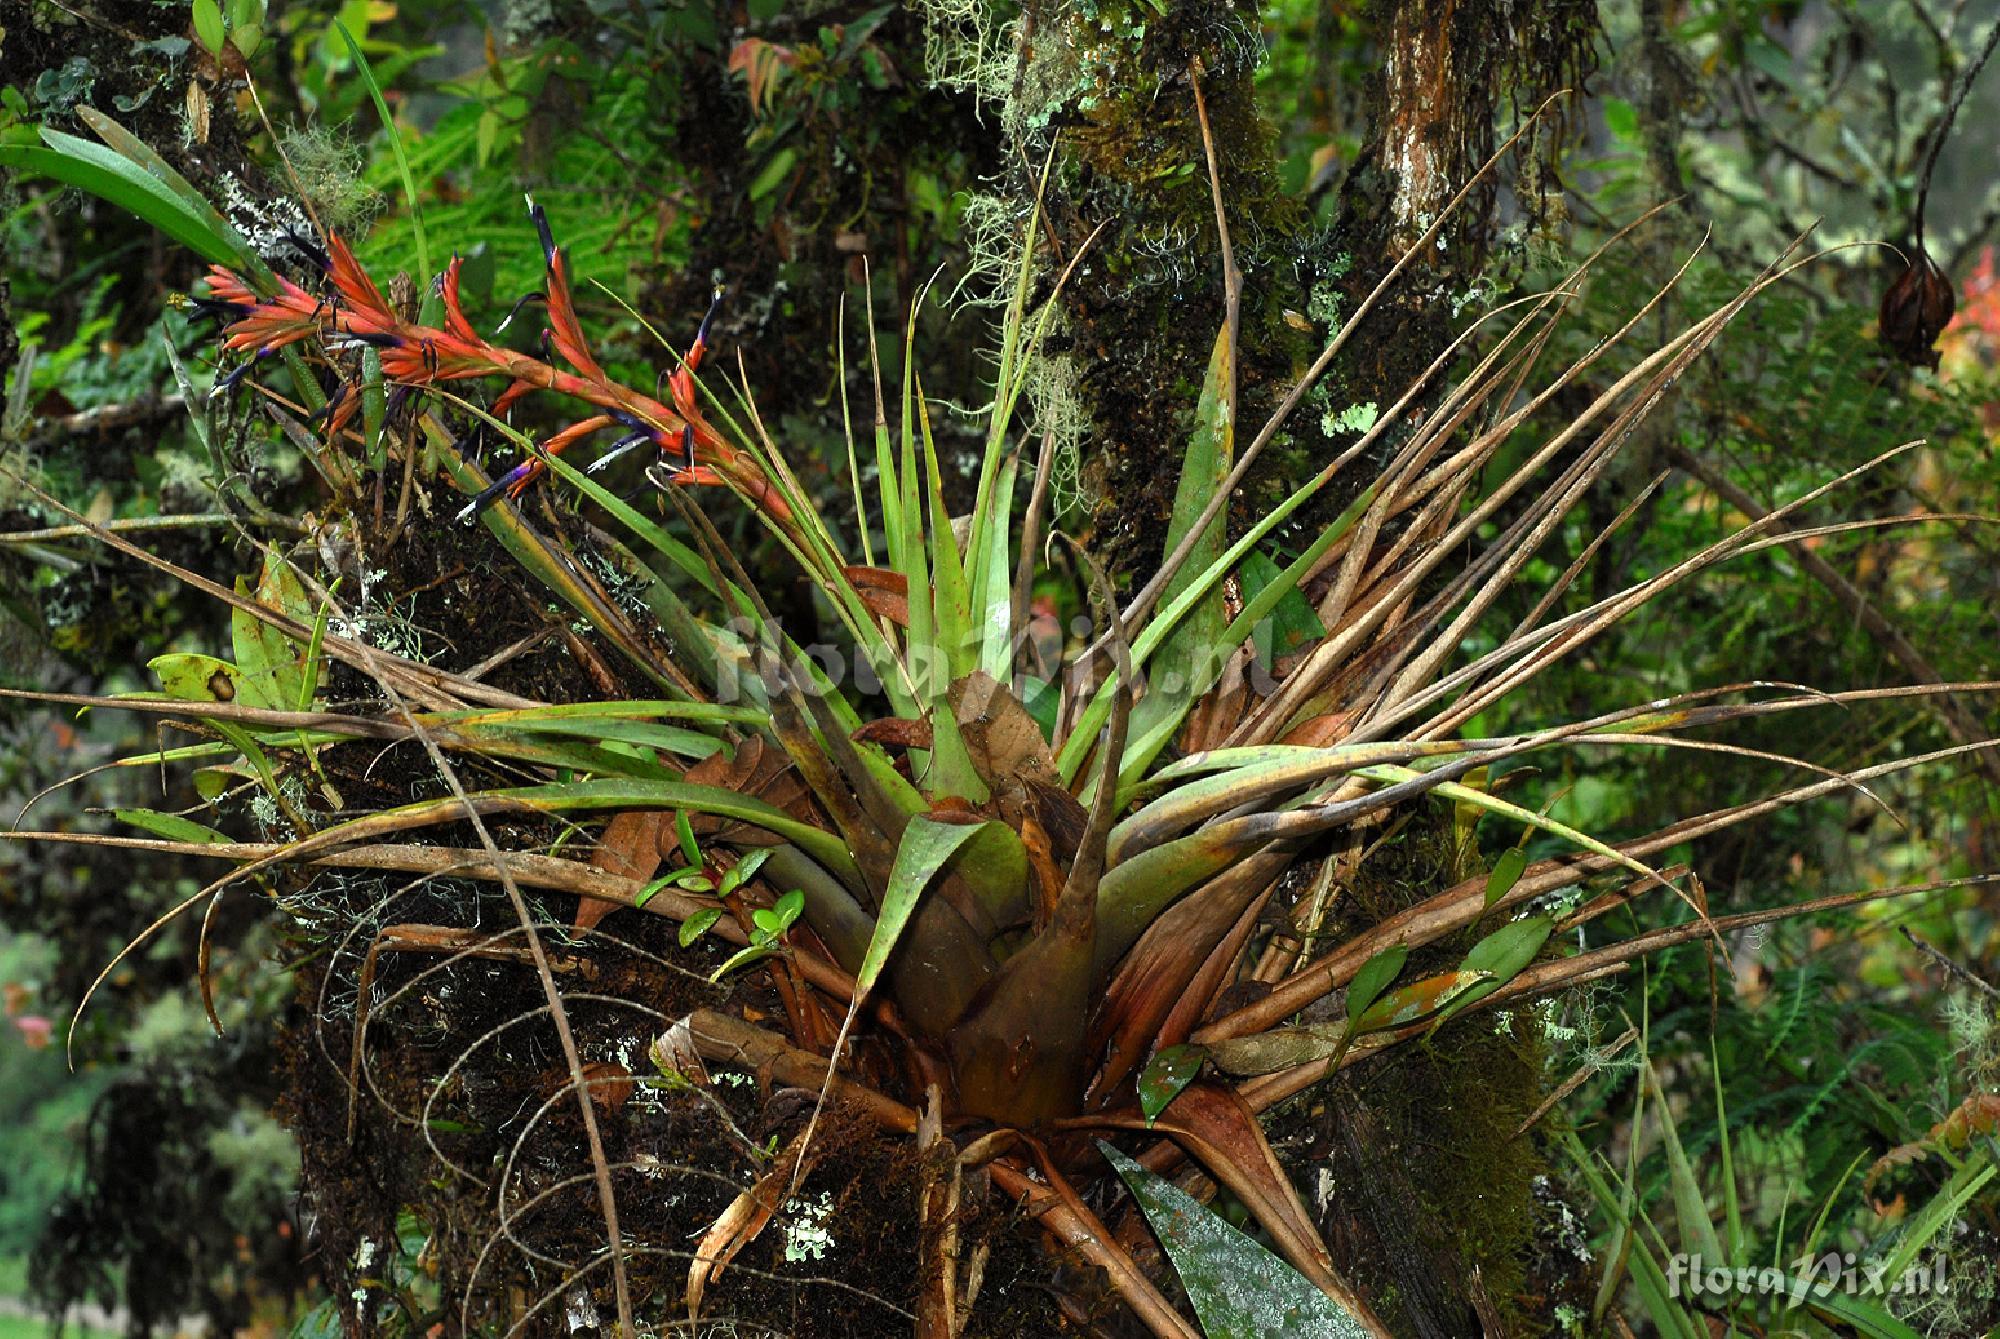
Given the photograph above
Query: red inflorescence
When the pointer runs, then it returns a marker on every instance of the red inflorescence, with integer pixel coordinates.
(417, 356)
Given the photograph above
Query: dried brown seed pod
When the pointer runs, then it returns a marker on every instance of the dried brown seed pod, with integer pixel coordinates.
(1916, 310)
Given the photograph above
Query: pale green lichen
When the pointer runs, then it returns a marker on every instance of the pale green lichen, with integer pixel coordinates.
(328, 167)
(1355, 419)
(967, 48)
(1056, 408)
(808, 1235)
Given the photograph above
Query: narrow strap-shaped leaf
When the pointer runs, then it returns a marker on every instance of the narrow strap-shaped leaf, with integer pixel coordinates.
(172, 826)
(1453, 790)
(141, 155)
(110, 177)
(396, 148)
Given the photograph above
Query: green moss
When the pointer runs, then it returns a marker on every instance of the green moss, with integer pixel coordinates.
(1442, 1115)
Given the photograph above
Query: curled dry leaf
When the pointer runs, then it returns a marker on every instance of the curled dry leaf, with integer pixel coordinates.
(630, 849)
(883, 593)
(609, 1084)
(760, 772)
(1006, 744)
(745, 1218)
(674, 1052)
(1915, 310)
(897, 732)
(1978, 1114)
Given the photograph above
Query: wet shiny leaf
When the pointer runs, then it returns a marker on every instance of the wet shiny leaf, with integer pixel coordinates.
(1165, 1075)
(1239, 1289)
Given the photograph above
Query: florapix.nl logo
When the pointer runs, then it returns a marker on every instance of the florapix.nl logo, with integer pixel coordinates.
(1809, 1277)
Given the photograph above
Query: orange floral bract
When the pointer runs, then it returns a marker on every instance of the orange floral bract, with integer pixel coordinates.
(417, 356)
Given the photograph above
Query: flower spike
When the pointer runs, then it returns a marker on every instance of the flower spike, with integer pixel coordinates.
(414, 357)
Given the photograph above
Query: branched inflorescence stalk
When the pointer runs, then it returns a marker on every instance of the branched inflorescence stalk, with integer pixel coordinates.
(354, 313)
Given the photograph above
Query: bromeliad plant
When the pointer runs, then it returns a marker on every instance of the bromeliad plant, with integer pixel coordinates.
(1050, 873)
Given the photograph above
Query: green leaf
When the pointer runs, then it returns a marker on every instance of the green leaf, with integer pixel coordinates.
(374, 408)
(322, 1322)
(1372, 979)
(396, 148)
(773, 173)
(208, 26)
(644, 734)
(272, 664)
(1169, 1071)
(778, 918)
(1939, 1212)
(315, 657)
(1418, 1000)
(1187, 659)
(1869, 1319)
(695, 926)
(927, 844)
(1042, 701)
(1239, 1289)
(1507, 871)
(103, 173)
(679, 876)
(1501, 955)
(532, 720)
(1690, 1200)
(1621, 118)
(684, 831)
(193, 677)
(562, 797)
(1291, 625)
(211, 782)
(1774, 60)
(742, 958)
(743, 871)
(142, 156)
(1510, 948)
(1140, 753)
(171, 826)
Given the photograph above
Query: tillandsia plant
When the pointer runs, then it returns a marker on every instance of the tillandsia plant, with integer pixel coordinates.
(1056, 884)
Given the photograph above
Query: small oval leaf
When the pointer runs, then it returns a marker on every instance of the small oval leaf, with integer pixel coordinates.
(171, 826)
(1374, 978)
(744, 870)
(208, 26)
(1169, 1071)
(647, 893)
(1416, 1000)
(773, 173)
(193, 677)
(695, 926)
(1506, 873)
(1500, 957)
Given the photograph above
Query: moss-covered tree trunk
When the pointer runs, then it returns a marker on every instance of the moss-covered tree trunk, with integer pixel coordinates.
(1107, 87)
